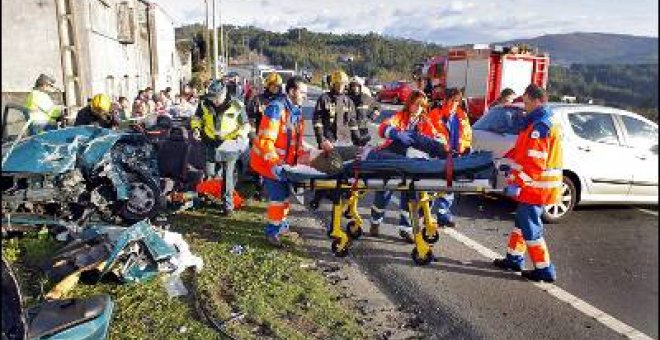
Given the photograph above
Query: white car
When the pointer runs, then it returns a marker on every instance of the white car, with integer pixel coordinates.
(610, 155)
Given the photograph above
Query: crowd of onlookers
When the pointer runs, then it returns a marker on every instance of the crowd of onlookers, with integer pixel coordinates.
(148, 103)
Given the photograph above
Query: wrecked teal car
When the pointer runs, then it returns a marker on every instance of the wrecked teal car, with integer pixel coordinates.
(73, 173)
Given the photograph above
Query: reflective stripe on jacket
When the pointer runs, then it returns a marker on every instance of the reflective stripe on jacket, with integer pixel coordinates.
(400, 121)
(233, 121)
(279, 140)
(441, 116)
(41, 107)
(537, 160)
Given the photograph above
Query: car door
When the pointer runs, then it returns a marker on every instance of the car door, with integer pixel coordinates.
(601, 154)
(642, 142)
(386, 92)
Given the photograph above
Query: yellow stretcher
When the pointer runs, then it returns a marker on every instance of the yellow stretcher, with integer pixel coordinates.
(423, 180)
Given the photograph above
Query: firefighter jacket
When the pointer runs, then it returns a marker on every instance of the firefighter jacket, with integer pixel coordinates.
(257, 105)
(280, 138)
(335, 119)
(537, 159)
(461, 141)
(226, 121)
(41, 107)
(401, 121)
(364, 107)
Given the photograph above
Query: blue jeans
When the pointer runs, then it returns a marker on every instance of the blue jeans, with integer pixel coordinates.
(382, 198)
(441, 208)
(226, 155)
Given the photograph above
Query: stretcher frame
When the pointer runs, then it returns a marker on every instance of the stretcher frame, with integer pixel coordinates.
(422, 188)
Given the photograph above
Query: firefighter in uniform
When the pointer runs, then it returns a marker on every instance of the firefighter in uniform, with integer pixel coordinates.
(256, 106)
(279, 143)
(336, 124)
(43, 112)
(534, 180)
(223, 126)
(413, 128)
(454, 125)
(97, 113)
(365, 106)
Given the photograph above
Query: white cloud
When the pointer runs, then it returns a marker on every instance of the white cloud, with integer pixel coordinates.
(445, 22)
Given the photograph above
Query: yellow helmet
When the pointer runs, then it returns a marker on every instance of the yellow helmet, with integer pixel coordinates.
(273, 78)
(101, 103)
(338, 77)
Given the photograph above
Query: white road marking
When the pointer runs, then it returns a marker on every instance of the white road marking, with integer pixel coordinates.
(646, 211)
(560, 294)
(555, 291)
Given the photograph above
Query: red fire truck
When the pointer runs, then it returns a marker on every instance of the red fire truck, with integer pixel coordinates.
(484, 71)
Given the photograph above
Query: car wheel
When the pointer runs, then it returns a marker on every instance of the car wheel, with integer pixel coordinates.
(555, 212)
(144, 201)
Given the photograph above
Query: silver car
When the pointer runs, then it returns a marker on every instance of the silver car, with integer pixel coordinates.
(610, 155)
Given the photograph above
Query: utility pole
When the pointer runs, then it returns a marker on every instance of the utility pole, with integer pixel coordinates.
(222, 37)
(207, 35)
(215, 42)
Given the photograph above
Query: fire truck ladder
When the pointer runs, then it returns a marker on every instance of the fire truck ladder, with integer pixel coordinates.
(70, 54)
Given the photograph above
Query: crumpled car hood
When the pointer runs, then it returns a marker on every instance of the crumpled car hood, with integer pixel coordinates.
(58, 151)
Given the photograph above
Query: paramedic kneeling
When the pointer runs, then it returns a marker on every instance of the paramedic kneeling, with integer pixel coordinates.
(535, 180)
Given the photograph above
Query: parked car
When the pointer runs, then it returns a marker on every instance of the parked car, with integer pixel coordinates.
(396, 92)
(610, 155)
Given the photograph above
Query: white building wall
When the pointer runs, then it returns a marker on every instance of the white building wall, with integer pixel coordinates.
(166, 71)
(30, 44)
(115, 68)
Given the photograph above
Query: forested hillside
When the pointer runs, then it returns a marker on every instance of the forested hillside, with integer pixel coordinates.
(633, 86)
(626, 86)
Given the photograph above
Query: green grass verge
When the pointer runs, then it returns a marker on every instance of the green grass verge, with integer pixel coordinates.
(278, 298)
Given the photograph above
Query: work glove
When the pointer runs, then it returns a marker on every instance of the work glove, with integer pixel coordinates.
(402, 137)
(511, 190)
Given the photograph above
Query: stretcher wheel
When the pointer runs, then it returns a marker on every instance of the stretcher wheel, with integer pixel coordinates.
(335, 248)
(353, 234)
(430, 239)
(422, 261)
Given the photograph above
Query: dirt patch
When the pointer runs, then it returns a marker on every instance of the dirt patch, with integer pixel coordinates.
(379, 316)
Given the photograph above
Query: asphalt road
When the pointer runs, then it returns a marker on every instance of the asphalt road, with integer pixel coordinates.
(606, 259)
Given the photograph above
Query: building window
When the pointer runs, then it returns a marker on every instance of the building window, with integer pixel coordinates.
(125, 23)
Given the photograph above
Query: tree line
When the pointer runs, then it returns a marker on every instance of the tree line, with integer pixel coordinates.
(372, 55)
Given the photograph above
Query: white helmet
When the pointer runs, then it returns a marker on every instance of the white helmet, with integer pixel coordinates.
(358, 80)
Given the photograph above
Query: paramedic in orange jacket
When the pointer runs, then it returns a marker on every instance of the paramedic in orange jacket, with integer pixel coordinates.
(454, 126)
(535, 180)
(410, 127)
(279, 142)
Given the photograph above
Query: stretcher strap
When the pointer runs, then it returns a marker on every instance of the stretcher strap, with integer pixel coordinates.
(449, 169)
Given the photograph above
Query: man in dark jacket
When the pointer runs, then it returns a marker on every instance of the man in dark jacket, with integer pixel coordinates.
(336, 123)
(337, 126)
(97, 113)
(365, 106)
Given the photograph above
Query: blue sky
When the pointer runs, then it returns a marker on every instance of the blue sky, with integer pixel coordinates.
(439, 21)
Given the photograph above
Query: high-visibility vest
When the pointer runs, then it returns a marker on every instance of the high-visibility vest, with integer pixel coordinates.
(230, 126)
(400, 121)
(279, 140)
(440, 116)
(537, 160)
(41, 107)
